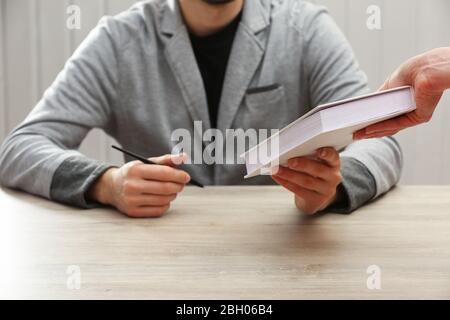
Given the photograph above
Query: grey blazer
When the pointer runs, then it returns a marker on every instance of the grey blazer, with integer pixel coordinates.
(135, 76)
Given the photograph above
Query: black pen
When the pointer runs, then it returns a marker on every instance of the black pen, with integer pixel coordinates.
(146, 161)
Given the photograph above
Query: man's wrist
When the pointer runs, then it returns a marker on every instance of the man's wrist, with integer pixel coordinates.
(101, 190)
(339, 196)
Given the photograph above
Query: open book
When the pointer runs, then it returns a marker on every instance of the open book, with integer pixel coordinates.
(329, 125)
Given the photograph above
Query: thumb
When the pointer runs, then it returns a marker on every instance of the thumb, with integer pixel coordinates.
(385, 85)
(398, 79)
(403, 76)
(171, 160)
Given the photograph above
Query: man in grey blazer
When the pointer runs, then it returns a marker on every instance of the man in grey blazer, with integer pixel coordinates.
(165, 64)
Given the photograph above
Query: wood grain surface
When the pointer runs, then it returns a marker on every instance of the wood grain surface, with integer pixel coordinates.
(228, 242)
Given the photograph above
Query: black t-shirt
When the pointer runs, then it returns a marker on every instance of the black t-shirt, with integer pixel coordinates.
(212, 53)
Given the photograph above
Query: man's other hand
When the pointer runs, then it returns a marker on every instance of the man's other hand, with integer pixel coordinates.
(140, 190)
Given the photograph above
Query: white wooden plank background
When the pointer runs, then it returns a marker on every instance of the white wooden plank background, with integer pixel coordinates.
(3, 116)
(34, 44)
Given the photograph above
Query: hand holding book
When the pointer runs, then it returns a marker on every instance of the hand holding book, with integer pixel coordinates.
(429, 74)
(329, 125)
(313, 180)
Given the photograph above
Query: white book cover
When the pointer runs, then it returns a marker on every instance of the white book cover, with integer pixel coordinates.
(328, 125)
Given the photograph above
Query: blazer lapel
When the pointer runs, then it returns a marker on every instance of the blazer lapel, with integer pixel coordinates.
(246, 56)
(182, 61)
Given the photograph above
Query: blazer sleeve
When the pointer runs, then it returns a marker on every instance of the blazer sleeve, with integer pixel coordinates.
(41, 151)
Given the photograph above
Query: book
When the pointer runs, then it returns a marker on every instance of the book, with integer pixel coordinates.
(328, 125)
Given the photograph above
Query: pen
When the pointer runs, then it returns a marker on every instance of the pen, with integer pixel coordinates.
(146, 161)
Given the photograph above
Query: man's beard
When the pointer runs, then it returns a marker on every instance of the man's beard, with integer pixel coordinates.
(217, 2)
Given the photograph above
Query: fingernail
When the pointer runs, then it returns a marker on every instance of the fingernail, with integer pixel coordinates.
(323, 153)
(184, 156)
(181, 158)
(293, 163)
(176, 159)
(275, 171)
(300, 202)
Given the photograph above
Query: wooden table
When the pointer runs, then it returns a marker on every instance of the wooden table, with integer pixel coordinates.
(227, 242)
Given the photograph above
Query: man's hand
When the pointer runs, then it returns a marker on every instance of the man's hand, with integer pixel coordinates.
(429, 74)
(140, 190)
(314, 181)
